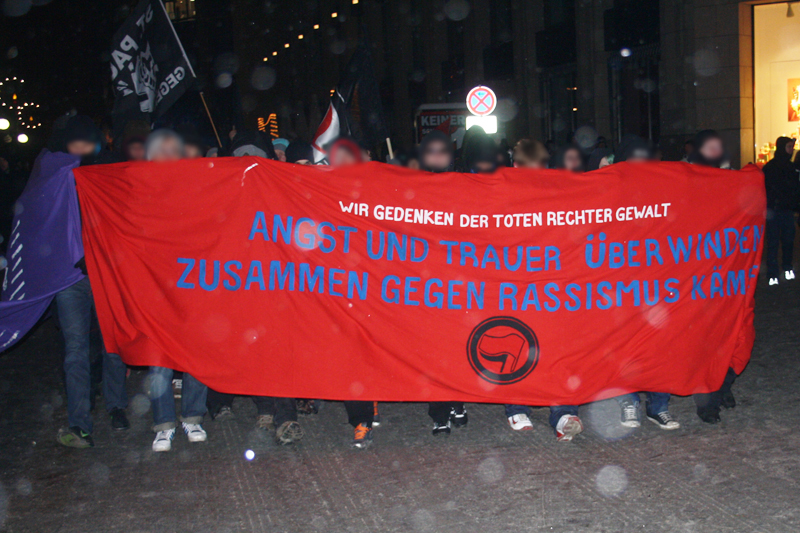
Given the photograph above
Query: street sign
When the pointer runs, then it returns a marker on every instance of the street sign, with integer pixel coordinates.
(481, 101)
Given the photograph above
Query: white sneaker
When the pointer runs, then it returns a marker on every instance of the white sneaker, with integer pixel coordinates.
(630, 415)
(773, 281)
(520, 422)
(568, 426)
(163, 442)
(195, 432)
(789, 275)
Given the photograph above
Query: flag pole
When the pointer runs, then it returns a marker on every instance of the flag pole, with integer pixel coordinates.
(191, 70)
(389, 145)
(203, 98)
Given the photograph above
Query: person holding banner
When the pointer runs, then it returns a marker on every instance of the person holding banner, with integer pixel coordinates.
(709, 151)
(436, 152)
(165, 145)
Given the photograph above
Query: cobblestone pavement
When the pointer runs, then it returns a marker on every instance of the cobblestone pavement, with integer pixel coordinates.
(742, 475)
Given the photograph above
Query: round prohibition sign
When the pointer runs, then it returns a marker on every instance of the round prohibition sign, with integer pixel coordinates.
(481, 101)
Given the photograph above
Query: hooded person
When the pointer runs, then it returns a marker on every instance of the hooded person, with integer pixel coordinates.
(530, 153)
(633, 149)
(300, 152)
(599, 158)
(280, 145)
(80, 137)
(709, 150)
(436, 152)
(568, 158)
(480, 154)
(252, 143)
(193, 145)
(51, 220)
(344, 151)
(783, 198)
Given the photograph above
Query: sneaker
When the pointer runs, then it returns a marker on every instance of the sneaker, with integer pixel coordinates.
(265, 422)
(307, 407)
(177, 388)
(788, 275)
(773, 281)
(709, 415)
(520, 422)
(568, 426)
(727, 399)
(458, 416)
(441, 429)
(630, 415)
(74, 437)
(664, 420)
(289, 433)
(119, 421)
(224, 413)
(163, 442)
(195, 432)
(362, 438)
(376, 416)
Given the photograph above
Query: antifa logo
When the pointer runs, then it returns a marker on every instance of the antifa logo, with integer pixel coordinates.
(144, 80)
(503, 350)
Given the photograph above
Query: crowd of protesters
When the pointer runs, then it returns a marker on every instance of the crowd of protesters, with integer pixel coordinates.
(436, 153)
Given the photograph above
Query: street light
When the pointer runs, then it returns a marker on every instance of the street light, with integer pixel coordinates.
(4, 124)
(22, 138)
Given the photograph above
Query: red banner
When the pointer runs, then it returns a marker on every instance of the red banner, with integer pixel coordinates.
(380, 283)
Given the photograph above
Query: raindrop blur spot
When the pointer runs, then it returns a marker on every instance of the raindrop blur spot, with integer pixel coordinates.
(24, 487)
(224, 80)
(249, 455)
(263, 78)
(706, 63)
(12, 52)
(586, 137)
(625, 52)
(16, 8)
(140, 404)
(611, 481)
(456, 9)
(491, 470)
(338, 47)
(250, 336)
(226, 63)
(98, 474)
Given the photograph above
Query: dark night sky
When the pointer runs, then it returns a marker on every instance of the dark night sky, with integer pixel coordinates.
(60, 47)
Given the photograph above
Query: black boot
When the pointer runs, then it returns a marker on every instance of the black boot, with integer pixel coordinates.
(119, 422)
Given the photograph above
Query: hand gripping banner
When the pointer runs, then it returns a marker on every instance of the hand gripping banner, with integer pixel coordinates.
(375, 282)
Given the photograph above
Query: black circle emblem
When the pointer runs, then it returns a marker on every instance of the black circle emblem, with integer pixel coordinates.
(503, 350)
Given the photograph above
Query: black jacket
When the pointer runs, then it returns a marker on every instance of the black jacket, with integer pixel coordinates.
(781, 179)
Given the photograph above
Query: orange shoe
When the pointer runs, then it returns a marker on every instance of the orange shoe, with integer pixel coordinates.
(363, 437)
(376, 416)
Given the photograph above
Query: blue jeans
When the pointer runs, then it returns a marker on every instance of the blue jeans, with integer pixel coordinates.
(193, 399)
(556, 412)
(780, 232)
(657, 402)
(75, 316)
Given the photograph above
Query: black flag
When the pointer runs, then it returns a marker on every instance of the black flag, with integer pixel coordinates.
(149, 68)
(355, 109)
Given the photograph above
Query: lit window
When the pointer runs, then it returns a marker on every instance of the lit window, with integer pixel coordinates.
(334, 15)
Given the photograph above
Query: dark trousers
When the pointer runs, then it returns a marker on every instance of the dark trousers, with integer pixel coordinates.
(440, 411)
(713, 400)
(75, 316)
(281, 409)
(780, 233)
(360, 413)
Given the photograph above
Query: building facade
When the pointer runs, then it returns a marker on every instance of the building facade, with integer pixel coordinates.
(661, 69)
